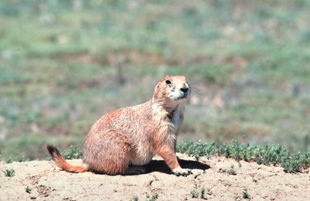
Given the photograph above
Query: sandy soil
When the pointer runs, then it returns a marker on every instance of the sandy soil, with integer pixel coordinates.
(48, 182)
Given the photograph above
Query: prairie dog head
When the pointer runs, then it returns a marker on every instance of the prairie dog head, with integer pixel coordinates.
(172, 91)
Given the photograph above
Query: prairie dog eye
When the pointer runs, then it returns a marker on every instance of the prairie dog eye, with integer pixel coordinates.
(168, 82)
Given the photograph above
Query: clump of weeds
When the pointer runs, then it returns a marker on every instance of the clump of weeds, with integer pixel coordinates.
(245, 194)
(267, 155)
(151, 198)
(232, 171)
(9, 173)
(198, 192)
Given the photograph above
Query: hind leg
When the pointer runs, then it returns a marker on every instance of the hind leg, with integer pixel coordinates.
(108, 152)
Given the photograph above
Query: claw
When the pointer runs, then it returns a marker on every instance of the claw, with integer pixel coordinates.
(186, 173)
(182, 172)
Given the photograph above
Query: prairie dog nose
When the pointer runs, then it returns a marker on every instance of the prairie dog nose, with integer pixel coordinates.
(184, 89)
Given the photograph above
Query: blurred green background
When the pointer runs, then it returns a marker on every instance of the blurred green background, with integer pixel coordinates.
(65, 63)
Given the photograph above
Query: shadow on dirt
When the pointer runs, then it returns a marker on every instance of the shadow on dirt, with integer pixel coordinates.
(161, 166)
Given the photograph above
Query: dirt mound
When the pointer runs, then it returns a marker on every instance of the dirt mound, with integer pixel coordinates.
(221, 179)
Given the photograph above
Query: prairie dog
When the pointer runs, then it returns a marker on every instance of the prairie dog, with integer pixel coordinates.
(124, 139)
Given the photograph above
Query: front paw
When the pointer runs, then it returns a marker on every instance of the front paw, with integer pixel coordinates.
(180, 171)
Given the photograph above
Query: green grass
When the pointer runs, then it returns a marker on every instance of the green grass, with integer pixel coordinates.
(65, 64)
(267, 155)
(275, 155)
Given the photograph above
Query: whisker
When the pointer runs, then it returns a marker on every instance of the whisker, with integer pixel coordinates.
(192, 86)
(192, 83)
(195, 89)
(196, 92)
(186, 72)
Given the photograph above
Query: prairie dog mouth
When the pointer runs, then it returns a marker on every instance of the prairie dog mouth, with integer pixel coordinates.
(183, 93)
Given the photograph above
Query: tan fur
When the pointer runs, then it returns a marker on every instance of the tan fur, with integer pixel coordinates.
(133, 135)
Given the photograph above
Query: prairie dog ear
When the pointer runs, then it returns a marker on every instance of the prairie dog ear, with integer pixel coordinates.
(167, 77)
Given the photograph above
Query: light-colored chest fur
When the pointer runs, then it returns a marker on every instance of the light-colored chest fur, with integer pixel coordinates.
(168, 131)
(177, 118)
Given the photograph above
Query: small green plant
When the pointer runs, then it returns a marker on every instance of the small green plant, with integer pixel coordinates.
(232, 171)
(239, 165)
(22, 159)
(236, 197)
(72, 153)
(149, 198)
(28, 190)
(9, 173)
(245, 194)
(135, 198)
(196, 193)
(9, 160)
(202, 193)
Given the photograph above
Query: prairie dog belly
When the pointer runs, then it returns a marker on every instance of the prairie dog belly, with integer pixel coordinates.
(144, 154)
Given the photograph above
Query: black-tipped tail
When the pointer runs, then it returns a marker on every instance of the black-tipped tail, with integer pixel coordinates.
(61, 161)
(53, 151)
